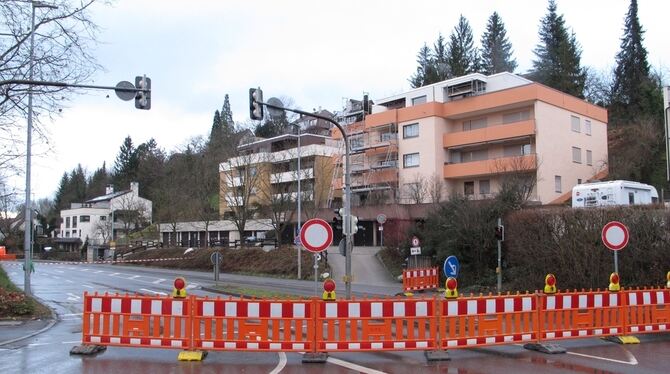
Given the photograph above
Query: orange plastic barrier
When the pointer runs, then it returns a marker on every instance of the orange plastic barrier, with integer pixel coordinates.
(4, 255)
(487, 320)
(374, 325)
(420, 279)
(258, 325)
(581, 314)
(137, 321)
(647, 311)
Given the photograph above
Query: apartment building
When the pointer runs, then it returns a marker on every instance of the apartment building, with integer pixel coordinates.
(264, 177)
(471, 134)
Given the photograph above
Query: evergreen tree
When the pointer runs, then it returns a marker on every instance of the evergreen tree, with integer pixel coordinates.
(633, 86)
(558, 56)
(496, 48)
(216, 124)
(463, 57)
(227, 122)
(126, 164)
(60, 201)
(77, 184)
(440, 60)
(425, 72)
(98, 182)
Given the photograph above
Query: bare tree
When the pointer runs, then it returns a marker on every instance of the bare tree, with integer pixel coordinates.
(435, 188)
(518, 178)
(239, 185)
(132, 213)
(277, 193)
(64, 40)
(416, 189)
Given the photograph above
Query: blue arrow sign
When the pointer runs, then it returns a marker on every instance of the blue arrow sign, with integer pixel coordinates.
(451, 266)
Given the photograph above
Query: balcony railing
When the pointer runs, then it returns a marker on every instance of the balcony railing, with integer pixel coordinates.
(487, 134)
(500, 165)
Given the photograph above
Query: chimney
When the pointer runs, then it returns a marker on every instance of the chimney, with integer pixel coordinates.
(109, 189)
(135, 187)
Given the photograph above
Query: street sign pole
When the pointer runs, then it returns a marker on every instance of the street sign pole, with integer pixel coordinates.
(615, 237)
(499, 269)
(316, 274)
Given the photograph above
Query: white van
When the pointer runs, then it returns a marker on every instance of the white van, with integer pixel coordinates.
(613, 193)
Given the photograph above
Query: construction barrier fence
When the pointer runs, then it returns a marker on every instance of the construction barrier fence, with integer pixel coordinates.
(316, 326)
(420, 279)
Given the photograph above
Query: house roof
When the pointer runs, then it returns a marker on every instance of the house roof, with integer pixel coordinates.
(107, 197)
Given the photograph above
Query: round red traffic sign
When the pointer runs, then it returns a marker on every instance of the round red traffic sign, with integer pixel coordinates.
(316, 235)
(615, 235)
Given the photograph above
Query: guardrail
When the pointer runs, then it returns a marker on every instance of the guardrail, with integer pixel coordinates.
(363, 325)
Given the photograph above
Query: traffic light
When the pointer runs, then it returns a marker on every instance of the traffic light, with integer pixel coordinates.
(354, 225)
(500, 233)
(255, 106)
(337, 220)
(143, 98)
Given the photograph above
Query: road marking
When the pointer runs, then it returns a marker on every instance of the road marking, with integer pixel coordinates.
(155, 292)
(282, 363)
(631, 359)
(55, 277)
(72, 297)
(69, 281)
(192, 286)
(158, 281)
(71, 314)
(134, 277)
(87, 286)
(59, 271)
(98, 271)
(351, 366)
(72, 342)
(114, 274)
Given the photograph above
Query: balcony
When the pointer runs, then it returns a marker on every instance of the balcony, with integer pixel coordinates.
(489, 134)
(292, 176)
(491, 167)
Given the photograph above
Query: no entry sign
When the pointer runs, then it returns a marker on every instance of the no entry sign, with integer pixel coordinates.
(316, 235)
(615, 235)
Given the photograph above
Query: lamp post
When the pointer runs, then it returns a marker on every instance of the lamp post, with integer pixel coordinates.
(666, 107)
(299, 207)
(27, 242)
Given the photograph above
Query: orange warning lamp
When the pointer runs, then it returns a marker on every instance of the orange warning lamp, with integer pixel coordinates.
(614, 282)
(667, 276)
(328, 290)
(550, 283)
(451, 286)
(179, 290)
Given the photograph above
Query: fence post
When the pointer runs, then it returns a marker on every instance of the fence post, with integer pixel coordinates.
(437, 354)
(314, 356)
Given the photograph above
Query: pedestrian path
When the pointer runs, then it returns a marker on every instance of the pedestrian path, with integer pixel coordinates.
(366, 268)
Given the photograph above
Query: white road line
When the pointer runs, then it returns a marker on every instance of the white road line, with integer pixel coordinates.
(55, 277)
(134, 277)
(98, 271)
(87, 286)
(59, 271)
(72, 342)
(69, 281)
(155, 292)
(282, 363)
(631, 359)
(71, 314)
(158, 281)
(114, 274)
(351, 365)
(72, 297)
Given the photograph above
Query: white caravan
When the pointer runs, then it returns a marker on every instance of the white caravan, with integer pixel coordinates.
(613, 193)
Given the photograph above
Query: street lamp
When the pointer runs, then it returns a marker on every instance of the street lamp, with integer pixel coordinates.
(27, 249)
(666, 106)
(299, 206)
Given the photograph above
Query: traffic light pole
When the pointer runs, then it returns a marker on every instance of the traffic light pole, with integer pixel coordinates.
(499, 269)
(347, 191)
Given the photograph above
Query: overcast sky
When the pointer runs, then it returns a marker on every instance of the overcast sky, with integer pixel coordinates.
(315, 52)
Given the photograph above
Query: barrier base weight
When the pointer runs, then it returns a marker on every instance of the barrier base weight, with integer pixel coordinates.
(545, 348)
(191, 356)
(623, 339)
(314, 357)
(87, 349)
(437, 355)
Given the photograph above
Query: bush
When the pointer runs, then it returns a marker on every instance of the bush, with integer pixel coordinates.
(15, 304)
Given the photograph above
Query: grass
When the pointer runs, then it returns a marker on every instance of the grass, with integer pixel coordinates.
(15, 305)
(255, 293)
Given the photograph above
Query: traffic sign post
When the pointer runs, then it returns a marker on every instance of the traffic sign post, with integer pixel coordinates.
(215, 258)
(451, 267)
(615, 237)
(316, 236)
(415, 250)
(381, 220)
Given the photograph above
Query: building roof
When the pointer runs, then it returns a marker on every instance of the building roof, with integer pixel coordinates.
(108, 196)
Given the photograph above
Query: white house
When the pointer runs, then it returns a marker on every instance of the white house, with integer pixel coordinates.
(91, 219)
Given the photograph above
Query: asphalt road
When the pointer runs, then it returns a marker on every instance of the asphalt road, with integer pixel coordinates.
(61, 287)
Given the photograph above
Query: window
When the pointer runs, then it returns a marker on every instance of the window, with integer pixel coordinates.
(67, 222)
(84, 218)
(631, 198)
(357, 142)
(587, 127)
(410, 160)
(410, 131)
(419, 100)
(516, 150)
(74, 221)
(557, 184)
(516, 117)
(387, 136)
(577, 155)
(480, 155)
(474, 124)
(589, 157)
(579, 180)
(574, 123)
(469, 188)
(484, 187)
(103, 218)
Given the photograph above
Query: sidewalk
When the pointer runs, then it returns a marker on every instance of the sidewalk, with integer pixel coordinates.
(365, 267)
(14, 330)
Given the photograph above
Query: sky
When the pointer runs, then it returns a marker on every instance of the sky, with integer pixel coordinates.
(317, 53)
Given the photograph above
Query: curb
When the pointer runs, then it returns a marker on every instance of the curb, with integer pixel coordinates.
(52, 322)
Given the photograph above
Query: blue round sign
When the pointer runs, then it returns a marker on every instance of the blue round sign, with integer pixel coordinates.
(451, 267)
